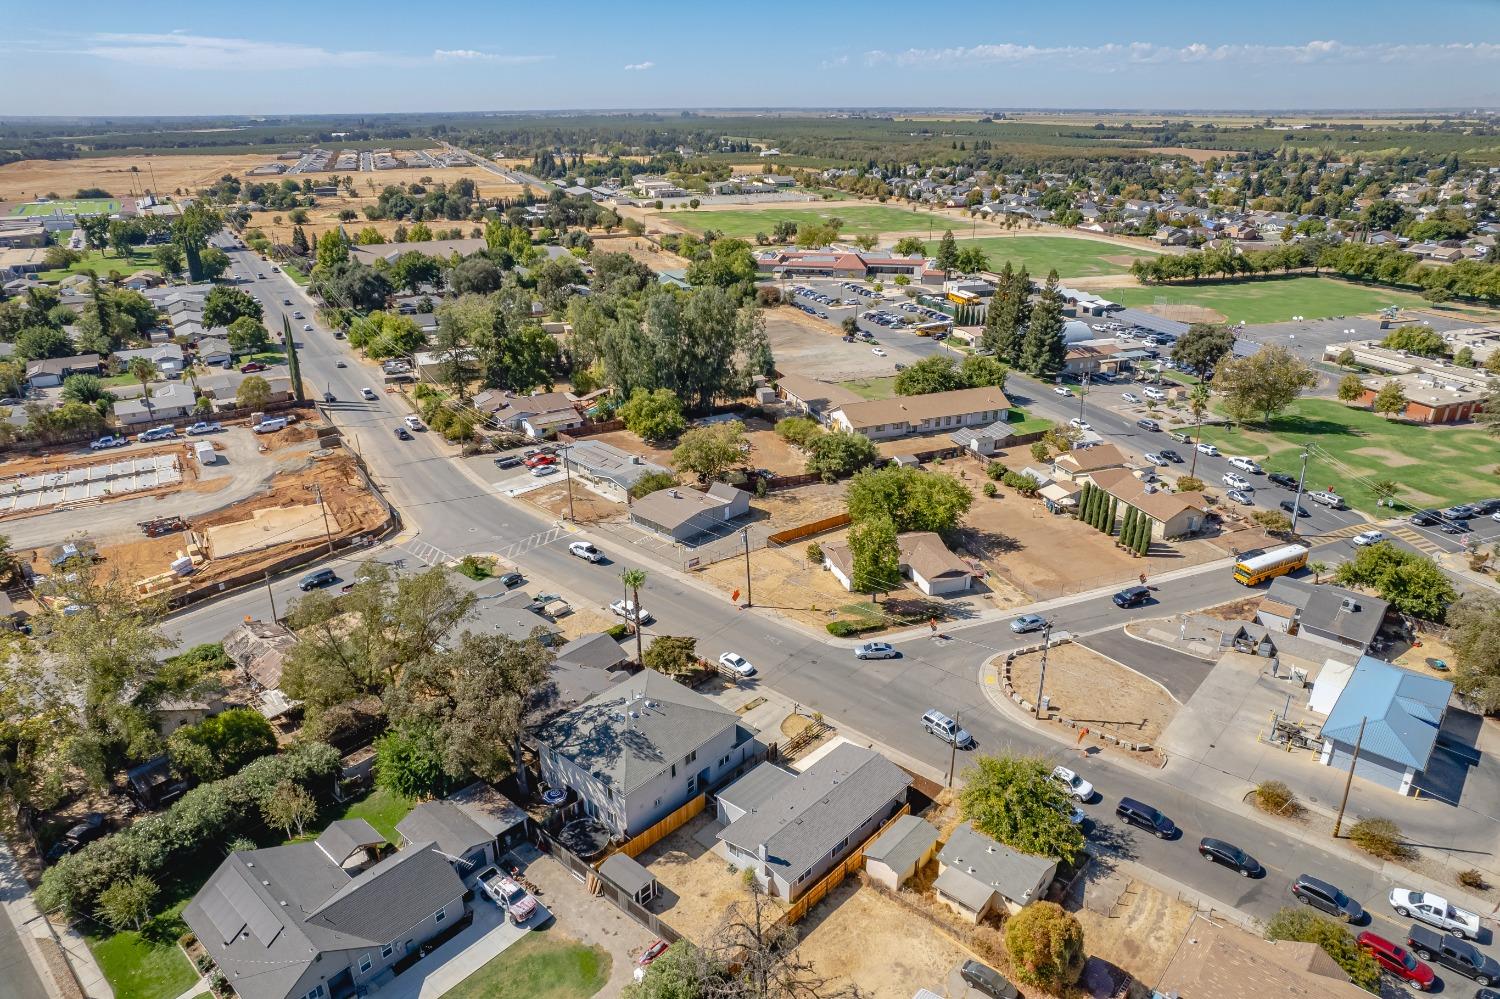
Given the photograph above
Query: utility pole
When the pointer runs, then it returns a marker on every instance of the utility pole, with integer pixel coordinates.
(953, 747)
(1083, 391)
(271, 596)
(1297, 502)
(1042, 680)
(324, 508)
(568, 474)
(1349, 779)
(749, 596)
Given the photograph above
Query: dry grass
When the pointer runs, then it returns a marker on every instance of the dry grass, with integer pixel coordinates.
(783, 580)
(1141, 935)
(1097, 692)
(588, 506)
(698, 886)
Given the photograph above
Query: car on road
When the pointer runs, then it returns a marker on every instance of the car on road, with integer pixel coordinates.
(878, 351)
(91, 827)
(1435, 910)
(1208, 449)
(1028, 623)
(367, 393)
(109, 441)
(1170, 455)
(983, 978)
(1217, 851)
(162, 433)
(250, 367)
(1397, 960)
(540, 471)
(402, 434)
(1246, 465)
(945, 728)
(317, 579)
(1453, 953)
(737, 663)
(1154, 458)
(1321, 895)
(1131, 398)
(1062, 390)
(286, 301)
(1291, 507)
(330, 397)
(1367, 538)
(1241, 497)
(875, 650)
(204, 427)
(1283, 480)
(261, 276)
(1132, 596)
(510, 579)
(586, 551)
(1073, 784)
(1234, 481)
(297, 315)
(307, 327)
(628, 610)
(340, 364)
(412, 423)
(1149, 425)
(1180, 436)
(1143, 816)
(1079, 423)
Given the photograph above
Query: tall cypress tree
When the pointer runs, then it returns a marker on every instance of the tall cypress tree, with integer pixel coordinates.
(293, 366)
(1109, 519)
(1083, 501)
(1127, 529)
(1042, 350)
(1143, 541)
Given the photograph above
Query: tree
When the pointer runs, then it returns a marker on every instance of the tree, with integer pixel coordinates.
(191, 232)
(947, 253)
(1488, 417)
(838, 454)
(1351, 388)
(300, 246)
(1045, 943)
(37, 343)
(651, 482)
(412, 270)
(798, 430)
(289, 807)
(127, 903)
(222, 306)
(875, 556)
(1013, 799)
(978, 371)
(680, 972)
(333, 249)
(654, 415)
(914, 500)
(142, 370)
(1202, 347)
(248, 336)
(762, 947)
(1317, 569)
(633, 580)
(1413, 583)
(1420, 339)
(1006, 319)
(168, 258)
(710, 451)
(1272, 521)
(253, 394)
(672, 655)
(84, 388)
(931, 374)
(219, 745)
(971, 260)
(1305, 926)
(909, 246)
(729, 263)
(408, 763)
(476, 275)
(1042, 349)
(1390, 399)
(1263, 384)
(1475, 639)
(213, 262)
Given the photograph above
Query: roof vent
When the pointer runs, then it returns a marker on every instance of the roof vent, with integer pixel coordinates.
(266, 883)
(283, 904)
(249, 863)
(1349, 604)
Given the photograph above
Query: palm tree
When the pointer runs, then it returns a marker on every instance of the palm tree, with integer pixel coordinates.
(143, 371)
(1198, 406)
(634, 579)
(1318, 568)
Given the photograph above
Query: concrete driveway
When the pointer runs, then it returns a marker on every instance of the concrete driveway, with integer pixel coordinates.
(1178, 672)
(486, 937)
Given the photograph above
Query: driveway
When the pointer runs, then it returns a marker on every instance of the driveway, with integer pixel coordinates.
(1178, 672)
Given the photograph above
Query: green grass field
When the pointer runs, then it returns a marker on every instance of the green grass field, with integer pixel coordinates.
(872, 388)
(69, 206)
(1273, 300)
(1434, 466)
(1072, 257)
(102, 262)
(542, 965)
(859, 220)
(381, 808)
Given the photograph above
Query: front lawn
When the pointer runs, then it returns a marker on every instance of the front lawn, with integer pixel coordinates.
(1351, 447)
(542, 965)
(872, 388)
(148, 964)
(1022, 422)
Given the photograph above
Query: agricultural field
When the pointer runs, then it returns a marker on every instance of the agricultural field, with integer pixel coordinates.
(859, 220)
(1352, 447)
(1271, 300)
(70, 206)
(1071, 256)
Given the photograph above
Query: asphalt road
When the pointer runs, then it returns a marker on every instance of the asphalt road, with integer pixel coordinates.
(1178, 672)
(883, 699)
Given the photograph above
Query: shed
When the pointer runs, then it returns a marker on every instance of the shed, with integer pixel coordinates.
(632, 878)
(900, 851)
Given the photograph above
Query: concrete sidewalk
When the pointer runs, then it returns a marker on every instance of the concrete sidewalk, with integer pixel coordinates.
(36, 936)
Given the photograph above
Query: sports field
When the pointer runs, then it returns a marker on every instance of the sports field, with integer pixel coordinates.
(1352, 447)
(69, 206)
(1273, 300)
(859, 220)
(101, 262)
(1072, 257)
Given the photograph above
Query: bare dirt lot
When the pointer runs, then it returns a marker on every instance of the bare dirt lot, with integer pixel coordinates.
(588, 507)
(640, 249)
(813, 348)
(783, 580)
(1140, 934)
(1098, 692)
(697, 886)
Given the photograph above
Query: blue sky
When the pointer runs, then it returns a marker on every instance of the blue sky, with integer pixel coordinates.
(206, 58)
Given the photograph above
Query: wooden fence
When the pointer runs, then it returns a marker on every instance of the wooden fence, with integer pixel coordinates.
(806, 530)
(666, 827)
(835, 877)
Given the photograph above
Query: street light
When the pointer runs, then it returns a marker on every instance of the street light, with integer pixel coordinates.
(1042, 679)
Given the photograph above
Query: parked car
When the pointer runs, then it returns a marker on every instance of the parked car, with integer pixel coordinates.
(1397, 960)
(317, 579)
(507, 461)
(511, 579)
(540, 459)
(204, 427)
(1453, 953)
(1154, 394)
(1234, 481)
(1328, 498)
(1367, 538)
(1154, 458)
(1170, 455)
(1079, 423)
(1180, 436)
(1132, 596)
(1283, 480)
(1486, 508)
(1459, 511)
(1321, 895)
(1246, 465)
(628, 610)
(1142, 815)
(1241, 497)
(878, 351)
(1131, 398)
(1072, 783)
(1028, 623)
(657, 949)
(1208, 449)
(109, 441)
(1435, 910)
(249, 367)
(737, 663)
(585, 551)
(163, 433)
(945, 728)
(875, 650)
(1424, 518)
(509, 896)
(1292, 507)
(539, 471)
(1217, 851)
(413, 423)
(983, 978)
(91, 827)
(1062, 390)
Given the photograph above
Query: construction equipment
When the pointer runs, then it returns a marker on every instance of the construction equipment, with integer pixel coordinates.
(162, 526)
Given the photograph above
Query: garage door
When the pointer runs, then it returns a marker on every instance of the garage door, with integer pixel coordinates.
(1369, 768)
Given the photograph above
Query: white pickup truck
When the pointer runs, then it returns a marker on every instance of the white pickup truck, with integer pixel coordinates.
(1435, 911)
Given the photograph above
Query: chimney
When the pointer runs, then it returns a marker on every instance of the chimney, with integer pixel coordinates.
(761, 851)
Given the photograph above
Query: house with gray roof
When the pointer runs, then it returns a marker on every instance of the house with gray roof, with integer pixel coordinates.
(1326, 614)
(641, 749)
(168, 401)
(610, 469)
(466, 844)
(167, 358)
(683, 513)
(978, 875)
(791, 828)
(323, 919)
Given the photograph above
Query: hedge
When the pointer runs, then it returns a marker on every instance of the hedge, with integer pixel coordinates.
(202, 820)
(843, 629)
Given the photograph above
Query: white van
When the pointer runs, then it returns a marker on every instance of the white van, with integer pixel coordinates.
(1331, 500)
(270, 426)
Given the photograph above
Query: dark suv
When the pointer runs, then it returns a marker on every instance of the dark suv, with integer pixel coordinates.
(983, 978)
(1321, 895)
(1143, 815)
(1132, 596)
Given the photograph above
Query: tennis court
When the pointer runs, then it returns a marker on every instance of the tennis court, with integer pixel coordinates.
(69, 206)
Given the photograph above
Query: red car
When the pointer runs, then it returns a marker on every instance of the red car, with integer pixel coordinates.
(1397, 960)
(651, 953)
(537, 460)
(246, 369)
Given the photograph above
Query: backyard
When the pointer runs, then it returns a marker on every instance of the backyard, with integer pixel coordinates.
(1269, 300)
(1351, 448)
(542, 965)
(1071, 256)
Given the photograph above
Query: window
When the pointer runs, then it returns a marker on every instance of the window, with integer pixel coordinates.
(674, 770)
(364, 963)
(802, 878)
(318, 992)
(440, 915)
(842, 844)
(388, 950)
(690, 757)
(656, 803)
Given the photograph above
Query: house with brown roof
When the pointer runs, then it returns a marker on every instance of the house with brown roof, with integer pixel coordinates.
(814, 397)
(1216, 961)
(935, 412)
(924, 559)
(1173, 515)
(1081, 464)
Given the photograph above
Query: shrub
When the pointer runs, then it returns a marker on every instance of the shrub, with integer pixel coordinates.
(989, 489)
(1040, 451)
(1275, 797)
(1379, 838)
(618, 631)
(1473, 879)
(815, 553)
(221, 744)
(1046, 946)
(843, 629)
(1021, 483)
(651, 482)
(1189, 484)
(1337, 942)
(475, 568)
(798, 430)
(995, 470)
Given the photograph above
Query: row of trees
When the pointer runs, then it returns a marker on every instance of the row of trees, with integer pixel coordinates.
(1024, 335)
(939, 373)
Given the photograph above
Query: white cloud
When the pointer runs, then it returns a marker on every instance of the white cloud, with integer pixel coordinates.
(636, 66)
(1113, 56)
(474, 55)
(187, 51)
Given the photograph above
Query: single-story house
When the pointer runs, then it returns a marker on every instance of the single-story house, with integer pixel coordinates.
(540, 415)
(1092, 358)
(1079, 465)
(1326, 614)
(881, 419)
(466, 844)
(610, 469)
(791, 829)
(167, 358)
(1173, 515)
(977, 875)
(214, 351)
(640, 750)
(441, 249)
(1401, 713)
(169, 401)
(683, 513)
(902, 850)
(1217, 961)
(323, 919)
(433, 365)
(260, 649)
(813, 397)
(924, 559)
(50, 372)
(594, 651)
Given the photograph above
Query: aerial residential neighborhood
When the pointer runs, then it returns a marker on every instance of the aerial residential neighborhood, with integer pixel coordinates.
(1009, 507)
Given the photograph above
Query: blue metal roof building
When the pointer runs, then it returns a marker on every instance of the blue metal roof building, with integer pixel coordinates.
(1402, 712)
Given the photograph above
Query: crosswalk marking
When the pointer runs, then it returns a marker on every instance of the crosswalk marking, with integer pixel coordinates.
(1417, 541)
(425, 553)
